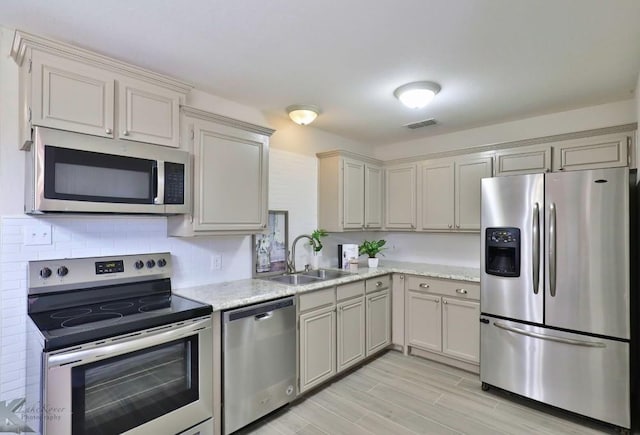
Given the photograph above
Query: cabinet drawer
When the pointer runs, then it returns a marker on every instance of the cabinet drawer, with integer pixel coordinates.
(446, 287)
(317, 299)
(378, 283)
(350, 290)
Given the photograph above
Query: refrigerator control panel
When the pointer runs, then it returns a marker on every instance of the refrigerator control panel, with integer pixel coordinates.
(502, 251)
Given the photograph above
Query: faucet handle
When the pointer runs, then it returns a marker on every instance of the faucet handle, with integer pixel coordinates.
(307, 268)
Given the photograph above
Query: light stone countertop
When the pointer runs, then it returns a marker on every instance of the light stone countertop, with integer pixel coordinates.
(233, 294)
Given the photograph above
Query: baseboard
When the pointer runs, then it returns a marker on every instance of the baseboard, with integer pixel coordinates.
(470, 367)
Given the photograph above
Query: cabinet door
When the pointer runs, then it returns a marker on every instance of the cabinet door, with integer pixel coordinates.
(378, 321)
(353, 191)
(373, 197)
(351, 333)
(230, 179)
(424, 325)
(436, 195)
(523, 160)
(592, 153)
(148, 113)
(467, 191)
(400, 197)
(317, 347)
(461, 329)
(70, 95)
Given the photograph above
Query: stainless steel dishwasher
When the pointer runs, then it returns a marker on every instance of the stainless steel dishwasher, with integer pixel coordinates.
(259, 361)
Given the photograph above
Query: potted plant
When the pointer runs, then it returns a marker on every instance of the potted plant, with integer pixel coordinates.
(372, 248)
(316, 246)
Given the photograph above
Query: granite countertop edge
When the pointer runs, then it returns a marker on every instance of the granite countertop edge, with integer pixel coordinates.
(234, 294)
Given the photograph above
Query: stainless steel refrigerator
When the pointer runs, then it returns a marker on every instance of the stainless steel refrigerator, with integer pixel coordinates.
(555, 290)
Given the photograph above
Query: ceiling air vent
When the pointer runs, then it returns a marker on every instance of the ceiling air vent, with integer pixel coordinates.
(421, 124)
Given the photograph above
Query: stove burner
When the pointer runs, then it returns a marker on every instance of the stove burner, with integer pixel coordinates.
(116, 306)
(89, 318)
(73, 312)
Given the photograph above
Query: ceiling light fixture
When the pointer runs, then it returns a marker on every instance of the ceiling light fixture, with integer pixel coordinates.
(416, 95)
(303, 115)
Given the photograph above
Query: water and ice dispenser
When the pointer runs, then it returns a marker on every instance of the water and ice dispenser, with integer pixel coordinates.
(502, 251)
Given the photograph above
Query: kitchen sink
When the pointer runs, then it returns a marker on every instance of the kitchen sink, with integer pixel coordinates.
(308, 277)
(326, 274)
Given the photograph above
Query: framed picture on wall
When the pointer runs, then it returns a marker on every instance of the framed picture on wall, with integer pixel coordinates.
(270, 249)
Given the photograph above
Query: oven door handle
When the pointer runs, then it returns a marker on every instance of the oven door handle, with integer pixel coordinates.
(127, 344)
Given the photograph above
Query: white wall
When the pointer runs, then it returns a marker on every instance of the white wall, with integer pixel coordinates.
(587, 118)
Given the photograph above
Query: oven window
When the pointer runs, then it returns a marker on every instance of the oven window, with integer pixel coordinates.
(117, 394)
(88, 176)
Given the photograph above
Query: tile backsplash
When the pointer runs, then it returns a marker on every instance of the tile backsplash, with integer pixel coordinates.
(87, 236)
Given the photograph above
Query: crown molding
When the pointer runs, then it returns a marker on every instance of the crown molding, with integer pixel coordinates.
(349, 154)
(220, 119)
(22, 41)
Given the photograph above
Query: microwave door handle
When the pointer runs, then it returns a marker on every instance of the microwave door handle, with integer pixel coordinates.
(158, 182)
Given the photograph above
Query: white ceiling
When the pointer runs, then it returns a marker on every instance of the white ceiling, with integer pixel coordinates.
(496, 60)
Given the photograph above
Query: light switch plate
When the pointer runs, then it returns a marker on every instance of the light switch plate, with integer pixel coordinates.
(37, 235)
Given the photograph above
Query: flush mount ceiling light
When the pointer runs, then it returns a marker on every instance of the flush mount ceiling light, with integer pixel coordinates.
(416, 95)
(303, 115)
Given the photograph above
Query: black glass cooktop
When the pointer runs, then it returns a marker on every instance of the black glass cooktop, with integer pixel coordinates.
(64, 325)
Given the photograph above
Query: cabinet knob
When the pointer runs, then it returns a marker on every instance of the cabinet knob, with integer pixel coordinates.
(108, 131)
(461, 291)
(424, 285)
(457, 226)
(437, 301)
(125, 132)
(445, 302)
(401, 276)
(450, 225)
(379, 283)
(413, 227)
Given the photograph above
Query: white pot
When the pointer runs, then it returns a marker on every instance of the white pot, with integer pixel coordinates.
(373, 263)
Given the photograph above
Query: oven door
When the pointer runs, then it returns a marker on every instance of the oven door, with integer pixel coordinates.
(155, 381)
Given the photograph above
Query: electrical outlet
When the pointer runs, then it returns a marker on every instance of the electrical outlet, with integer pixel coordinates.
(216, 262)
(37, 235)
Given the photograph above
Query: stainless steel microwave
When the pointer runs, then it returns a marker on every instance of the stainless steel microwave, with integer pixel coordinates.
(72, 172)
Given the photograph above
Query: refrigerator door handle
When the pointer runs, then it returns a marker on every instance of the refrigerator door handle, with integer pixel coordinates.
(549, 337)
(536, 247)
(552, 249)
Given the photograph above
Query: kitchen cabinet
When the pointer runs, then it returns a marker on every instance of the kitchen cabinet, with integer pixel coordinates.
(351, 324)
(230, 176)
(68, 88)
(604, 151)
(378, 313)
(400, 196)
(442, 318)
(349, 192)
(450, 193)
(523, 160)
(317, 347)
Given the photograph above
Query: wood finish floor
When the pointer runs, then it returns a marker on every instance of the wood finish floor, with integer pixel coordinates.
(396, 394)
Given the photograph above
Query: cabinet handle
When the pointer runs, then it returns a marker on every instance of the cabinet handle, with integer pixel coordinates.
(445, 302)
(424, 285)
(379, 283)
(450, 226)
(125, 132)
(437, 301)
(401, 276)
(108, 131)
(413, 227)
(457, 226)
(461, 291)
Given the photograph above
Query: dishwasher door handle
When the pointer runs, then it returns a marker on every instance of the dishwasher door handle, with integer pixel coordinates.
(263, 316)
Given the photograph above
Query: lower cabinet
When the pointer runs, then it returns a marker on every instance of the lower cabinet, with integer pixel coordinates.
(340, 326)
(443, 317)
(351, 324)
(317, 347)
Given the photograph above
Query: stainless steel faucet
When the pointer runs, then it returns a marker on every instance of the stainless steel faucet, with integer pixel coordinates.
(291, 264)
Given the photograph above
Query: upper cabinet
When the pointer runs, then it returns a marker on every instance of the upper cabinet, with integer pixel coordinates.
(449, 192)
(230, 175)
(72, 89)
(349, 192)
(400, 196)
(605, 151)
(523, 160)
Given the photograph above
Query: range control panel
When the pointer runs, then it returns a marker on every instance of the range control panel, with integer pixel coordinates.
(72, 273)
